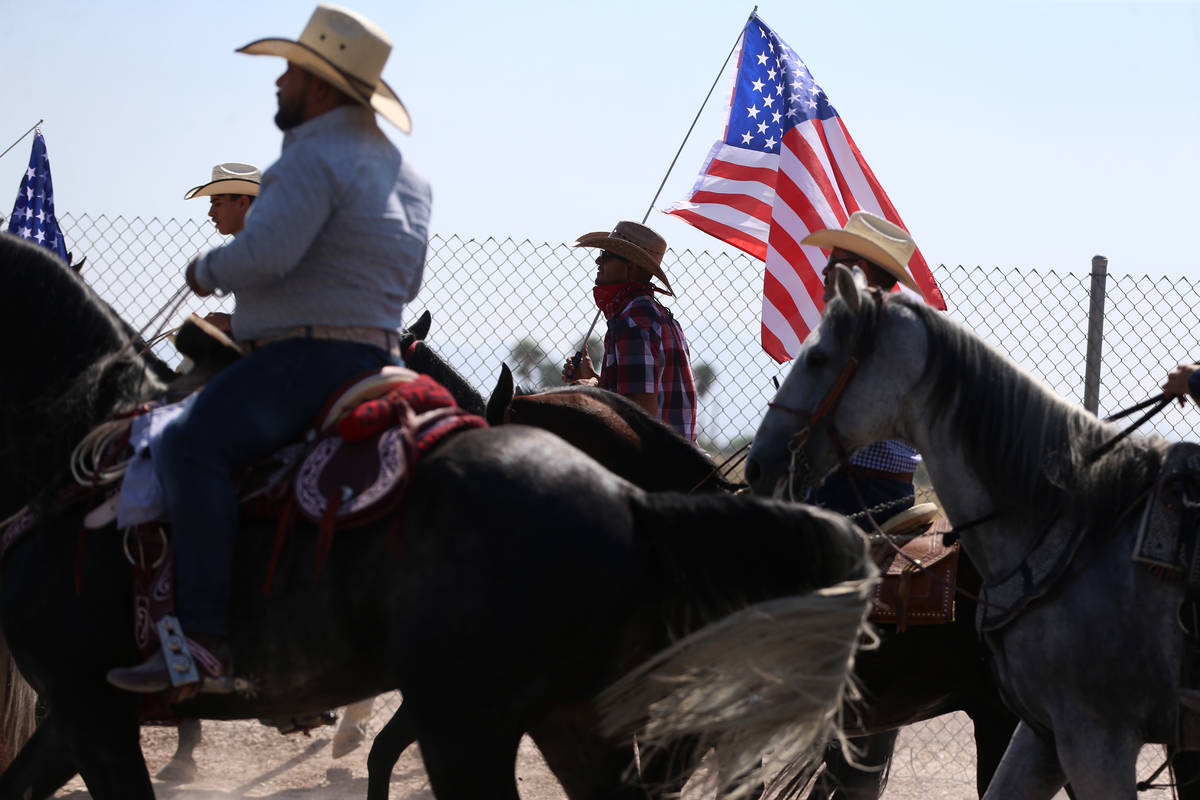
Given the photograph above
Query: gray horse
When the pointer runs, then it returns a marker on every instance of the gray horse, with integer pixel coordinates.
(1085, 642)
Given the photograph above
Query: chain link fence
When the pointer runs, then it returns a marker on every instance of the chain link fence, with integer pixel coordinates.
(529, 304)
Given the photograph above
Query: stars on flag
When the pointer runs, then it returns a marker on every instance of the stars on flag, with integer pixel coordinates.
(773, 78)
(33, 213)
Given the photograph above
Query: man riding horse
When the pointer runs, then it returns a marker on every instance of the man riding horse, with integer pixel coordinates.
(646, 355)
(321, 273)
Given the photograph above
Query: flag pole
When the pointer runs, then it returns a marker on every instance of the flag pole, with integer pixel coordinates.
(32, 128)
(582, 347)
(692, 127)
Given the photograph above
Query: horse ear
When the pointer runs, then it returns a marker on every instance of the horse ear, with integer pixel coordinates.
(847, 287)
(420, 328)
(502, 395)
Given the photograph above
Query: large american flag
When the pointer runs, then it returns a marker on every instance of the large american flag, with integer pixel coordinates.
(33, 213)
(786, 167)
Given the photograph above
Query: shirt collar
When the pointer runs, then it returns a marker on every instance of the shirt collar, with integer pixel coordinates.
(333, 119)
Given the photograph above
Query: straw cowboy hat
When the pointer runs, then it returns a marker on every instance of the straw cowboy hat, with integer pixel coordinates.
(875, 239)
(347, 50)
(633, 242)
(229, 178)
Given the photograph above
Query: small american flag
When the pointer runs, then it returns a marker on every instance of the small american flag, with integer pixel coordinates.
(33, 213)
(786, 167)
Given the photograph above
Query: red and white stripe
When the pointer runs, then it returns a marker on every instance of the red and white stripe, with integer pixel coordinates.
(765, 204)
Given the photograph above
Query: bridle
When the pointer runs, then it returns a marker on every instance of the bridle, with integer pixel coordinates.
(823, 413)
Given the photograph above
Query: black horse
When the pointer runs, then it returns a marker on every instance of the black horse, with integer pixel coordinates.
(524, 579)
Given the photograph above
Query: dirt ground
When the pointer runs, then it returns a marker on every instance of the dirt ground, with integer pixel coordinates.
(934, 761)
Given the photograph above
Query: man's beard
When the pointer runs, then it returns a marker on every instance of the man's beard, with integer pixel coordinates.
(289, 116)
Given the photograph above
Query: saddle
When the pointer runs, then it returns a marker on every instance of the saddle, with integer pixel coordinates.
(917, 585)
(353, 468)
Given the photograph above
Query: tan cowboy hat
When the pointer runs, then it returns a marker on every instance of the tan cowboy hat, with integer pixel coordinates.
(875, 239)
(633, 242)
(229, 178)
(347, 50)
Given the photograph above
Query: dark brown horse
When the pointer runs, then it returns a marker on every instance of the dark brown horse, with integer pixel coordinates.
(530, 579)
(924, 672)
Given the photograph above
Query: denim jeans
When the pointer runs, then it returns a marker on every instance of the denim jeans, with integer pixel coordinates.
(248, 411)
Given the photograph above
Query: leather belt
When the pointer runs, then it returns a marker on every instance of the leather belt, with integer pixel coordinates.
(384, 339)
(903, 477)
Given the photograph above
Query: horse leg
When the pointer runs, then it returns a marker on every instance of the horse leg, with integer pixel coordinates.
(182, 766)
(994, 725)
(41, 767)
(1100, 763)
(1185, 767)
(389, 743)
(863, 780)
(471, 760)
(352, 729)
(1029, 769)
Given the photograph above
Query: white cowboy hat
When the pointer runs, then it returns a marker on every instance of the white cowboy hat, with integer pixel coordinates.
(875, 239)
(229, 178)
(633, 242)
(347, 50)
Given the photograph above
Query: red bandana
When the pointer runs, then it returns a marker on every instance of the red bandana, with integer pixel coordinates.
(612, 297)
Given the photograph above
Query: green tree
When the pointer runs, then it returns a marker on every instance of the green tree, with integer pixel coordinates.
(527, 359)
(705, 375)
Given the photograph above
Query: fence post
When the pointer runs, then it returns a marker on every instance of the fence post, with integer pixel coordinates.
(1095, 340)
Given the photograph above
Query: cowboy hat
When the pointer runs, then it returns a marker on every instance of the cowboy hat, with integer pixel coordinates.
(228, 178)
(346, 50)
(633, 242)
(875, 239)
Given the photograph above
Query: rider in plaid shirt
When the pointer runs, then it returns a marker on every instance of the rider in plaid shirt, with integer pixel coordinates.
(645, 353)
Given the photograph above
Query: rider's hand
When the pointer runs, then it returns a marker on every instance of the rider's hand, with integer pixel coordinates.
(190, 277)
(1177, 381)
(583, 373)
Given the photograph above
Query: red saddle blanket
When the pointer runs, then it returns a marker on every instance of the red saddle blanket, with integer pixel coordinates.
(917, 589)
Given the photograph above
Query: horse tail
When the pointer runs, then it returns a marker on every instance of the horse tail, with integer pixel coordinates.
(18, 706)
(771, 676)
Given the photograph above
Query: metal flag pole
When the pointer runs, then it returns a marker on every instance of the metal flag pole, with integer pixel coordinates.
(32, 128)
(596, 319)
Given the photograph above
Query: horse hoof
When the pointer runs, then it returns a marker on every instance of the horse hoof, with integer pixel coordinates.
(348, 741)
(177, 771)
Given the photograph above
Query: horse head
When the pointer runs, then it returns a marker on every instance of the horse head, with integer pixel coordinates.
(66, 368)
(846, 385)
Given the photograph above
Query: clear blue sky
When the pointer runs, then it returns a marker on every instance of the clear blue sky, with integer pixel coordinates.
(1008, 134)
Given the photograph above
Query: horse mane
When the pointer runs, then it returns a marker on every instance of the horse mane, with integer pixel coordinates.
(1023, 439)
(75, 374)
(656, 436)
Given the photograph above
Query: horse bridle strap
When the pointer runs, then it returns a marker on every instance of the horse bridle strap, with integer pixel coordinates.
(862, 348)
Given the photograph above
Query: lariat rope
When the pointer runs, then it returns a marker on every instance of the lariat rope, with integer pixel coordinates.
(86, 458)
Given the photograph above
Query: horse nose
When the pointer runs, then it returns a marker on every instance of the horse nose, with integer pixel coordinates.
(753, 471)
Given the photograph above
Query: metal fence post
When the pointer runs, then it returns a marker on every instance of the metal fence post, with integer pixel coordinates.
(1095, 340)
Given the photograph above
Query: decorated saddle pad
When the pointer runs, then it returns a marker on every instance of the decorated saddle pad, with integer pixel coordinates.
(356, 472)
(917, 589)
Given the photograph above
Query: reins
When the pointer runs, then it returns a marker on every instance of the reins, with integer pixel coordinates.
(1159, 401)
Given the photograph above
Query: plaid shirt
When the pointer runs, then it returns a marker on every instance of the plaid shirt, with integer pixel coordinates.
(893, 455)
(645, 352)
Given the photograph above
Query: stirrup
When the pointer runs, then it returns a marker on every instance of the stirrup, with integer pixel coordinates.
(181, 666)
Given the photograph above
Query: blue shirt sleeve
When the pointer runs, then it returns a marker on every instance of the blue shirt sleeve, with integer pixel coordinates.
(293, 205)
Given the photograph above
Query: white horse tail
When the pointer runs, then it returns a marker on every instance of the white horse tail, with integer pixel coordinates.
(17, 707)
(769, 679)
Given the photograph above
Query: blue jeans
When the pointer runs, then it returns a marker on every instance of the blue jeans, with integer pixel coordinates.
(247, 412)
(836, 494)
